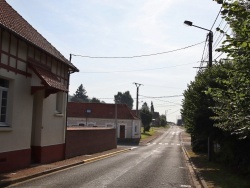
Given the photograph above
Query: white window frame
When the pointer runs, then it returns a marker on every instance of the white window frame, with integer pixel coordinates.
(3, 123)
(59, 103)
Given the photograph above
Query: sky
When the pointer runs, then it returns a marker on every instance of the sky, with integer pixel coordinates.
(128, 29)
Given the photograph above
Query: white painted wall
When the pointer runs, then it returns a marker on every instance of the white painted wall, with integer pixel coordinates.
(47, 127)
(20, 102)
(129, 125)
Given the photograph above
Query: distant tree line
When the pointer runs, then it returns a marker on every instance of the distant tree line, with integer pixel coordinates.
(81, 96)
(146, 113)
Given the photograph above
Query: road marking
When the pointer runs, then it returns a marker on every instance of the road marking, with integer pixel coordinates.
(133, 148)
(185, 185)
(177, 144)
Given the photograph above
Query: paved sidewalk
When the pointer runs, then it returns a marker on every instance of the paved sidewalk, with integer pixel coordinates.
(39, 170)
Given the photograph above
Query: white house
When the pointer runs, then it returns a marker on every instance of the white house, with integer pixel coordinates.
(117, 116)
(34, 80)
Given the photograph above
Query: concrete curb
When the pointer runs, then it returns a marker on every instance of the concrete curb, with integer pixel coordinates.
(5, 183)
(197, 179)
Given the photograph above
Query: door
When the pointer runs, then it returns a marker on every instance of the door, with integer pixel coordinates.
(122, 131)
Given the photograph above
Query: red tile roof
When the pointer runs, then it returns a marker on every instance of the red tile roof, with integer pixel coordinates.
(99, 110)
(48, 78)
(14, 22)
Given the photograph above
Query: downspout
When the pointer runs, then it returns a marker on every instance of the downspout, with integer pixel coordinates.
(69, 72)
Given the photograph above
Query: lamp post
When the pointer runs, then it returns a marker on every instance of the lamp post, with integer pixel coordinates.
(210, 41)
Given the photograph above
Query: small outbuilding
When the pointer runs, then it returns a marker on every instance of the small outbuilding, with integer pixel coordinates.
(117, 116)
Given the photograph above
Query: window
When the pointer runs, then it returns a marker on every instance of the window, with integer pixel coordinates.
(4, 86)
(59, 102)
(136, 129)
(110, 125)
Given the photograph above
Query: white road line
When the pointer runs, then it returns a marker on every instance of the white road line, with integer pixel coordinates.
(185, 185)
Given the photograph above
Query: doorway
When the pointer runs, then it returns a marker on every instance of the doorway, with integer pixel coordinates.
(122, 131)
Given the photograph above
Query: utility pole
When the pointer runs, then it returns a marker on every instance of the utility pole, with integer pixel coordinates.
(137, 94)
(70, 57)
(210, 50)
(210, 56)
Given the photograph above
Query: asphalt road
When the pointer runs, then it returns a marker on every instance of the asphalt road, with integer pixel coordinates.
(158, 164)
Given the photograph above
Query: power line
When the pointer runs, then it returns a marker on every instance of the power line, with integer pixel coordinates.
(141, 69)
(202, 58)
(162, 96)
(137, 56)
(216, 18)
(219, 55)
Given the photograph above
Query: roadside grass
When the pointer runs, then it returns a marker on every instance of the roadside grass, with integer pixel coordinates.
(151, 132)
(217, 175)
(147, 134)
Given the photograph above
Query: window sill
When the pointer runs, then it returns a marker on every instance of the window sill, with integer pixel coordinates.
(5, 128)
(58, 114)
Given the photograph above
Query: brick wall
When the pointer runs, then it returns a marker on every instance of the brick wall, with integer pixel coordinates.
(88, 141)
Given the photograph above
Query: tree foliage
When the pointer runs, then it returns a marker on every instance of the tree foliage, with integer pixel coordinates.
(146, 117)
(96, 100)
(163, 121)
(196, 110)
(152, 109)
(124, 98)
(80, 95)
(233, 98)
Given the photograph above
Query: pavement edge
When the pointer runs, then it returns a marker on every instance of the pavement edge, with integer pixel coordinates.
(6, 183)
(197, 179)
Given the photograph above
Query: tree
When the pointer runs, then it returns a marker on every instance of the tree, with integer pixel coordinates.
(152, 108)
(233, 99)
(163, 121)
(95, 100)
(196, 108)
(80, 95)
(146, 117)
(124, 98)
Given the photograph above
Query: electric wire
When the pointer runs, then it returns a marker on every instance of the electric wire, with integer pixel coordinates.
(216, 18)
(138, 56)
(219, 55)
(139, 70)
(161, 96)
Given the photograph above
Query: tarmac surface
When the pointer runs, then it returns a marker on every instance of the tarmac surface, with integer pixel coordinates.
(18, 176)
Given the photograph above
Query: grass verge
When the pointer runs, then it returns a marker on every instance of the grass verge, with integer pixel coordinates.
(217, 175)
(147, 134)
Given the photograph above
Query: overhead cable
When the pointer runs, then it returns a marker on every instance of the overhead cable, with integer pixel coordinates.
(140, 69)
(137, 56)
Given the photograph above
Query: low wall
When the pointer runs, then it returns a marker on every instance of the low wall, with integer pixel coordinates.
(10, 161)
(86, 141)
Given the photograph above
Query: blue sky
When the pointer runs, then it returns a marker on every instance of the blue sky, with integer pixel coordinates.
(125, 28)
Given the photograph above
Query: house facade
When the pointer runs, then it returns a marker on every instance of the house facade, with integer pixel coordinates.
(34, 79)
(117, 116)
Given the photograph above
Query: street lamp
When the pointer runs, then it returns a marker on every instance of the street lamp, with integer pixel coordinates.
(210, 40)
